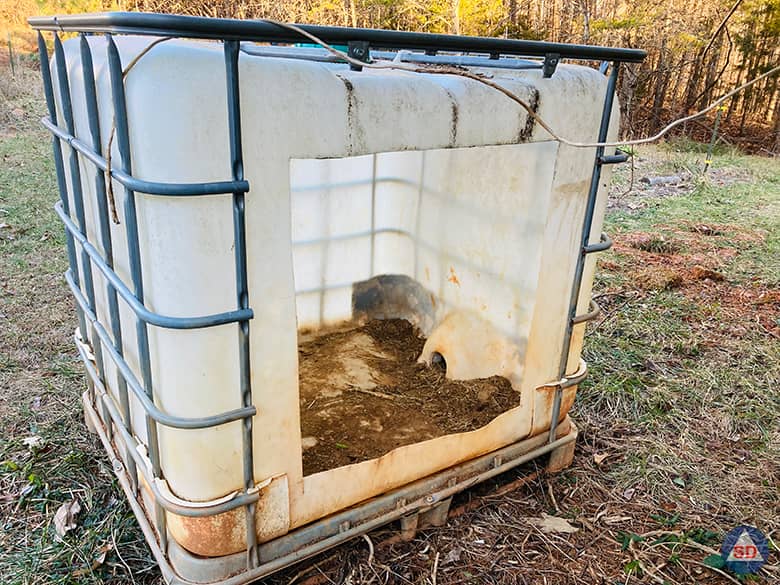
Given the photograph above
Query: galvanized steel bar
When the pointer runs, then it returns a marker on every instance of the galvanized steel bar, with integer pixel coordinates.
(48, 91)
(576, 379)
(144, 314)
(90, 97)
(593, 311)
(323, 56)
(199, 510)
(77, 191)
(587, 224)
(242, 285)
(134, 254)
(141, 186)
(258, 30)
(613, 159)
(75, 172)
(604, 243)
(135, 386)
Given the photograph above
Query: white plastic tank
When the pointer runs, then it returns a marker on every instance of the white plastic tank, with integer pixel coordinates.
(436, 180)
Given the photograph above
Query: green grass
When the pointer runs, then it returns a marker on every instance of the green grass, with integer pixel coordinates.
(694, 376)
(41, 380)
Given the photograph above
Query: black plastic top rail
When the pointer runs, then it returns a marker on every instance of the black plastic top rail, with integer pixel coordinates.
(169, 25)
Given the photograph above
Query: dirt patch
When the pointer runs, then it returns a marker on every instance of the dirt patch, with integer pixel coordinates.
(654, 243)
(693, 260)
(362, 394)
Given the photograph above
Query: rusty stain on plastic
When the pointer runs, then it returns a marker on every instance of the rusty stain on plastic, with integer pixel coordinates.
(225, 533)
(530, 122)
(453, 278)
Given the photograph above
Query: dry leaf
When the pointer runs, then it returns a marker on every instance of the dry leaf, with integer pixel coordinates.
(453, 555)
(99, 560)
(65, 517)
(549, 523)
(33, 441)
(102, 552)
(600, 457)
(612, 520)
(629, 493)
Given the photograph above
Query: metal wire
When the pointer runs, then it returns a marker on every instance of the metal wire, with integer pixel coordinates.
(445, 70)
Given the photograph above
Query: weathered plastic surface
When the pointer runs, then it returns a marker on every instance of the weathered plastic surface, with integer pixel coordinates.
(472, 200)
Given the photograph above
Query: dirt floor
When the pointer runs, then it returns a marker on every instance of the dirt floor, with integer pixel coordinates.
(363, 394)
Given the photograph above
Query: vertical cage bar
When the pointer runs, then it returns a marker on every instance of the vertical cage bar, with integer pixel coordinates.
(48, 90)
(90, 94)
(373, 215)
(242, 287)
(77, 192)
(134, 254)
(587, 224)
(418, 218)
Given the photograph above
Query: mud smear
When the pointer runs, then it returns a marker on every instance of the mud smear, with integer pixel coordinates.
(530, 121)
(351, 106)
(362, 394)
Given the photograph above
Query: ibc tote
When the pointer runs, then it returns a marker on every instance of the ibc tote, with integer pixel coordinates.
(266, 202)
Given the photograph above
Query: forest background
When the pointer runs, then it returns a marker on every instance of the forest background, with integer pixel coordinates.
(697, 49)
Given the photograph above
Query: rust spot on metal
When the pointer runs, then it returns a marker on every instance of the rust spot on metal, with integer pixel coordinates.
(567, 401)
(564, 427)
(225, 533)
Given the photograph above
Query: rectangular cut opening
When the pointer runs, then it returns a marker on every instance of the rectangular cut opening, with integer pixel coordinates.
(415, 275)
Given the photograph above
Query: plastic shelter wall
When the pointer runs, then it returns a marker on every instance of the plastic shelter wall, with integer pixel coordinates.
(472, 200)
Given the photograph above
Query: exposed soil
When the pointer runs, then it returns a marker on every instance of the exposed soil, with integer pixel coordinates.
(693, 259)
(362, 394)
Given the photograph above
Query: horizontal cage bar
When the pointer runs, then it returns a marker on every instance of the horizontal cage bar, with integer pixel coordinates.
(604, 243)
(594, 311)
(147, 187)
(199, 510)
(259, 30)
(138, 308)
(613, 159)
(161, 417)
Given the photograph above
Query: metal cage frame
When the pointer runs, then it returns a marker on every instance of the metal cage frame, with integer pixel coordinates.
(111, 421)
